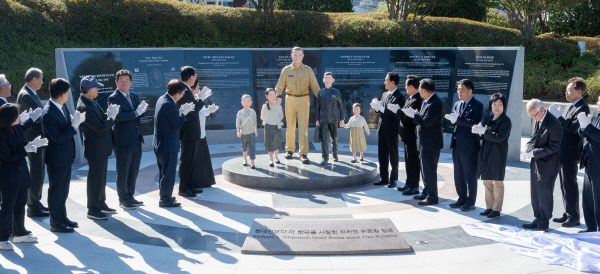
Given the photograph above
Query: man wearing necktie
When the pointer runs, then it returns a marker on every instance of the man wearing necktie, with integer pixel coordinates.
(571, 148)
(60, 154)
(544, 151)
(29, 99)
(465, 145)
(387, 129)
(97, 145)
(128, 138)
(590, 159)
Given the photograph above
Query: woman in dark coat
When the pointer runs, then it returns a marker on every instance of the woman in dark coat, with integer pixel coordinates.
(15, 177)
(493, 155)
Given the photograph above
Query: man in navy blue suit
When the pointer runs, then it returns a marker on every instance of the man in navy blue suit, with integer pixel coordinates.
(429, 138)
(128, 138)
(59, 127)
(466, 113)
(167, 122)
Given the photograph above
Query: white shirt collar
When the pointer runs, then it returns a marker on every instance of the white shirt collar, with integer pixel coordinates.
(425, 101)
(577, 101)
(124, 94)
(31, 89)
(59, 106)
(466, 102)
(410, 97)
(4, 99)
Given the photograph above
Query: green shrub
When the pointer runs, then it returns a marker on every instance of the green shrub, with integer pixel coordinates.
(32, 29)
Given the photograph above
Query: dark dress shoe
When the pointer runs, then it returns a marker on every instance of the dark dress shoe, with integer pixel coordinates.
(271, 165)
(245, 164)
(252, 167)
(278, 162)
(353, 161)
(37, 213)
(361, 159)
(486, 212)
(187, 193)
(561, 219)
(44, 208)
(97, 215)
(71, 223)
(403, 188)
(456, 205)
(467, 208)
(428, 202)
(304, 159)
(324, 162)
(169, 204)
(61, 228)
(127, 205)
(136, 202)
(392, 184)
(420, 197)
(335, 158)
(380, 183)
(108, 210)
(196, 190)
(411, 191)
(289, 154)
(532, 225)
(587, 229)
(493, 214)
(571, 222)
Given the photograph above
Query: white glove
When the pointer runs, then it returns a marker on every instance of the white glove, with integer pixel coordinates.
(24, 116)
(213, 108)
(77, 119)
(410, 112)
(556, 111)
(40, 142)
(393, 107)
(478, 129)
(35, 114)
(584, 120)
(526, 155)
(141, 108)
(186, 108)
(204, 93)
(451, 117)
(377, 106)
(112, 111)
(30, 147)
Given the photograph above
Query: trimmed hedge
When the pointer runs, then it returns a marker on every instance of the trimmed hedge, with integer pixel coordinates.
(32, 29)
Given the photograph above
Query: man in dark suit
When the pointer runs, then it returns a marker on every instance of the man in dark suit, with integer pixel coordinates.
(29, 99)
(429, 138)
(128, 138)
(590, 159)
(97, 145)
(570, 147)
(190, 134)
(543, 148)
(59, 128)
(465, 145)
(408, 133)
(167, 122)
(387, 129)
(4, 90)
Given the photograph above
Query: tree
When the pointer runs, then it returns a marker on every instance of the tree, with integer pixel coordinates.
(315, 5)
(266, 6)
(468, 9)
(401, 9)
(525, 14)
(581, 19)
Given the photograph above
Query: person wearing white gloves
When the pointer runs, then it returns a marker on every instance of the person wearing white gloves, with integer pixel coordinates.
(15, 174)
(570, 150)
(128, 138)
(97, 145)
(60, 128)
(168, 120)
(543, 148)
(387, 129)
(590, 196)
(494, 132)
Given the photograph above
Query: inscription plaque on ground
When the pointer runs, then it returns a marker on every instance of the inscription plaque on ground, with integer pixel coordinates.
(324, 237)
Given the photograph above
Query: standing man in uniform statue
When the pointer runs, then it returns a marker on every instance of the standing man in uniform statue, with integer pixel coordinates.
(297, 79)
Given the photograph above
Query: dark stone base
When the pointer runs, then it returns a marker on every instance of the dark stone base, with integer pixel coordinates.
(293, 175)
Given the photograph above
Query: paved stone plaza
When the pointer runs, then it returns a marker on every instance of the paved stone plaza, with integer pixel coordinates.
(206, 234)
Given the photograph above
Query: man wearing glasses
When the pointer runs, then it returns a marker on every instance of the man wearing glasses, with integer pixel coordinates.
(543, 148)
